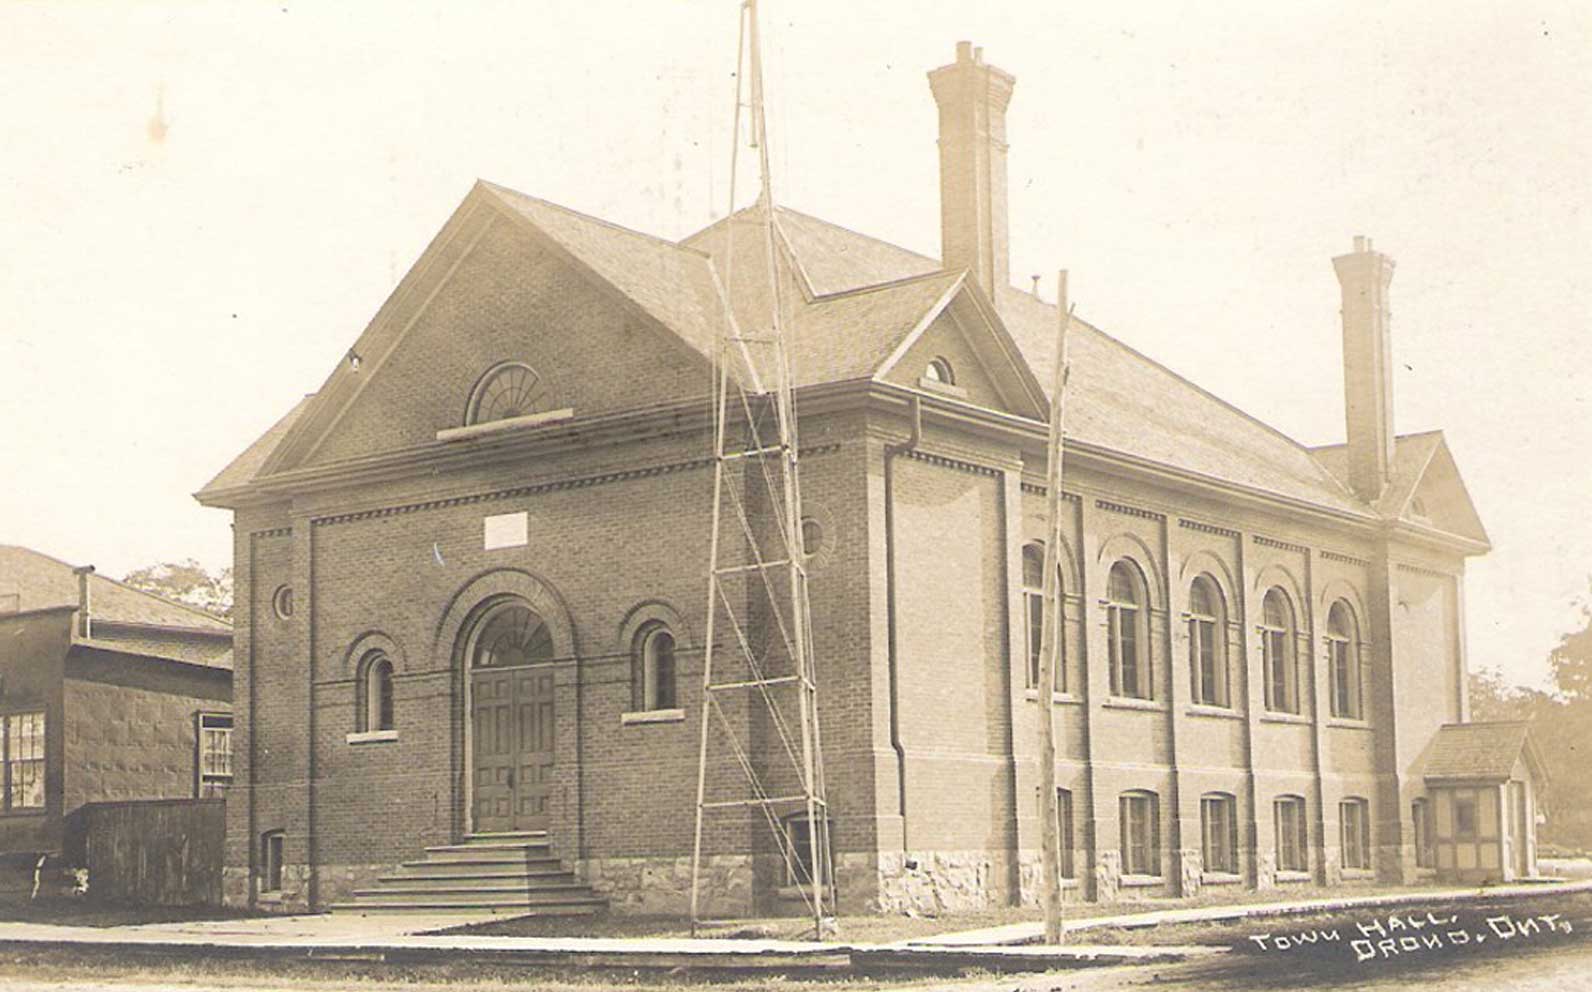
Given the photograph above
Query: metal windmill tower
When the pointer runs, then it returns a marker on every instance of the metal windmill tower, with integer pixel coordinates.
(760, 687)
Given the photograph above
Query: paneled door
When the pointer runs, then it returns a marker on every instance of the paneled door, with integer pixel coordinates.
(512, 748)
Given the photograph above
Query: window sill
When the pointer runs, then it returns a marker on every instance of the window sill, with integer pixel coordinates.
(1347, 723)
(946, 388)
(23, 813)
(1220, 878)
(1285, 877)
(1272, 716)
(1055, 697)
(1220, 712)
(1130, 703)
(1140, 881)
(651, 716)
(1358, 874)
(503, 426)
(270, 897)
(372, 736)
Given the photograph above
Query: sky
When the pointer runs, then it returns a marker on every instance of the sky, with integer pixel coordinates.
(203, 204)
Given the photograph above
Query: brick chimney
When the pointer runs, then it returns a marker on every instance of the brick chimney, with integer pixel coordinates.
(1365, 276)
(972, 97)
(85, 601)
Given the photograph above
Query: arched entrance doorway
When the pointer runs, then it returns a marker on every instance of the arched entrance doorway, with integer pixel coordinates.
(509, 652)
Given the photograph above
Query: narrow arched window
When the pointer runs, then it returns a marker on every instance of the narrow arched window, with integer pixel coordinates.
(1219, 832)
(1033, 617)
(654, 684)
(1207, 643)
(1277, 646)
(375, 708)
(1354, 823)
(1127, 632)
(1140, 819)
(1343, 651)
(1293, 842)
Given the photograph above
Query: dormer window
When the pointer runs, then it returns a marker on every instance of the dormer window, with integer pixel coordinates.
(940, 371)
(505, 391)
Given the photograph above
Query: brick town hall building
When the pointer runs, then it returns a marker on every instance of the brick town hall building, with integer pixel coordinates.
(471, 575)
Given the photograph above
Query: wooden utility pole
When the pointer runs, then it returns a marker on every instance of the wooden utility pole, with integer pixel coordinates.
(1051, 634)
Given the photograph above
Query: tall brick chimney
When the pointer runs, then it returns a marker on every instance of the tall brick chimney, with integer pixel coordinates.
(1365, 276)
(972, 97)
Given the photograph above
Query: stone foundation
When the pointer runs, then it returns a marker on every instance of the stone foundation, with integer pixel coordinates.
(934, 882)
(663, 885)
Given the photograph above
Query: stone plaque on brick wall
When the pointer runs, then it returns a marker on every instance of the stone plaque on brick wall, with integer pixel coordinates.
(506, 530)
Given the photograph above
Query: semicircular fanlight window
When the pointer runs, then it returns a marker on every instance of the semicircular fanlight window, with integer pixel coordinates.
(507, 391)
(512, 635)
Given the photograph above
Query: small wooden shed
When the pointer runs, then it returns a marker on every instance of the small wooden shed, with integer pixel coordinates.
(1482, 784)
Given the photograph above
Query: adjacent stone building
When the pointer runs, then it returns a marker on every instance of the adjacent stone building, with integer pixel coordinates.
(471, 576)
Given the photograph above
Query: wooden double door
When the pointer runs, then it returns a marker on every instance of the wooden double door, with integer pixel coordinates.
(511, 745)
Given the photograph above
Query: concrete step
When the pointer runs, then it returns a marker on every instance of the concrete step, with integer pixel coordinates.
(464, 910)
(430, 873)
(474, 897)
(511, 837)
(484, 851)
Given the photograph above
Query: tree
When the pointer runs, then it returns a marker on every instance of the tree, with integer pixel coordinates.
(188, 583)
(1571, 660)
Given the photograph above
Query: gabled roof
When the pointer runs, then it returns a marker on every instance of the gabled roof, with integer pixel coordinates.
(850, 302)
(1480, 752)
(1422, 463)
(43, 582)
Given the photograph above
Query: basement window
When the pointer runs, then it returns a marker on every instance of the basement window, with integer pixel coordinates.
(273, 845)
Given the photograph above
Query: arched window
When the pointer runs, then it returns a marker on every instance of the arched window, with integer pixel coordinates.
(1219, 832)
(374, 705)
(1140, 817)
(1293, 842)
(1354, 821)
(1127, 632)
(506, 390)
(939, 370)
(1343, 650)
(509, 634)
(1207, 643)
(653, 685)
(1034, 613)
(1277, 646)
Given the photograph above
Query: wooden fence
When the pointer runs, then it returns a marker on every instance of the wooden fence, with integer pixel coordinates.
(163, 852)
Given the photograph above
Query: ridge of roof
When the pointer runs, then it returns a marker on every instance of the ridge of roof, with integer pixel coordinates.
(592, 218)
(213, 623)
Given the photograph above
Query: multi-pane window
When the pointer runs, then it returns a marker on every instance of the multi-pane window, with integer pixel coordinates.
(1064, 833)
(1126, 632)
(1034, 617)
(1207, 656)
(273, 846)
(1343, 648)
(1219, 832)
(1293, 847)
(1354, 819)
(1141, 833)
(655, 667)
(23, 746)
(215, 755)
(375, 693)
(1277, 646)
(1421, 818)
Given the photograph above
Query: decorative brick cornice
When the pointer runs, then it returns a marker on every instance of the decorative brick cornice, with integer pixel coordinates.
(948, 462)
(272, 532)
(1131, 511)
(1039, 490)
(1339, 556)
(578, 482)
(1272, 542)
(1205, 528)
(1435, 573)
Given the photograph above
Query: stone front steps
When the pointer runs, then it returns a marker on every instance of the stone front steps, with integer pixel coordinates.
(500, 874)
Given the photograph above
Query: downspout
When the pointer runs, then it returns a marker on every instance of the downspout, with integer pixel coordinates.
(890, 451)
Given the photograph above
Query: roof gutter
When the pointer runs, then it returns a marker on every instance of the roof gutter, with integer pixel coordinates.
(890, 452)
